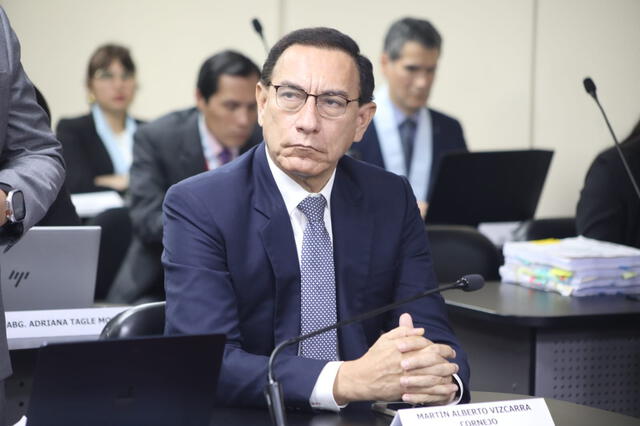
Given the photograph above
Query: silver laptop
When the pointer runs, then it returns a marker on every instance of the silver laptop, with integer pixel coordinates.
(51, 268)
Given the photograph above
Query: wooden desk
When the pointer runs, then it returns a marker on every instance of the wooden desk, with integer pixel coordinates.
(583, 350)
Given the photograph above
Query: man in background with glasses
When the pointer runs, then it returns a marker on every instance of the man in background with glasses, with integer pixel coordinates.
(294, 236)
(406, 137)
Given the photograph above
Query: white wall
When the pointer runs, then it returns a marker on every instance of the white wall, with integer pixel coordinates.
(169, 40)
(484, 72)
(511, 70)
(579, 38)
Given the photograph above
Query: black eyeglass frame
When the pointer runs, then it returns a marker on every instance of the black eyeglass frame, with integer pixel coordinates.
(278, 86)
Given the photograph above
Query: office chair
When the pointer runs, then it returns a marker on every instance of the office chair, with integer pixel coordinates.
(142, 320)
(459, 250)
(115, 238)
(538, 229)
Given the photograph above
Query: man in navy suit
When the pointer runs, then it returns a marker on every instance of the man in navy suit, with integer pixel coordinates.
(246, 256)
(406, 137)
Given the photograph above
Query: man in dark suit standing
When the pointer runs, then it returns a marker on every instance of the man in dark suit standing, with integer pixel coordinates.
(31, 165)
(294, 236)
(406, 137)
(181, 144)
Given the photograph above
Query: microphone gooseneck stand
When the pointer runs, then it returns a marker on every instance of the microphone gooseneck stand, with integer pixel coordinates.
(273, 390)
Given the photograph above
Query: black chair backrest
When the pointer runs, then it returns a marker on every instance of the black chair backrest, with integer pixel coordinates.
(117, 232)
(460, 250)
(142, 320)
(559, 227)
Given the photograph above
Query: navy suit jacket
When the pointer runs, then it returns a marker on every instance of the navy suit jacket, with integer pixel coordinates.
(447, 137)
(231, 267)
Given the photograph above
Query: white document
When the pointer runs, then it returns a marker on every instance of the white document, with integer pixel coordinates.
(521, 412)
(574, 253)
(91, 204)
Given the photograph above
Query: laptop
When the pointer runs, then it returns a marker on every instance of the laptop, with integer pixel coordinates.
(168, 380)
(495, 186)
(51, 268)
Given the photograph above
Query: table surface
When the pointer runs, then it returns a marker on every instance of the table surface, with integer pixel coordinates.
(523, 306)
(563, 414)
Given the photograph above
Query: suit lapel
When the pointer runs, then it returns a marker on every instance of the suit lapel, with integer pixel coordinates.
(192, 159)
(352, 237)
(373, 145)
(279, 245)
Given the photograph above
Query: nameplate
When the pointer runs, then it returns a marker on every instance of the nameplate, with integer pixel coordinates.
(521, 412)
(59, 322)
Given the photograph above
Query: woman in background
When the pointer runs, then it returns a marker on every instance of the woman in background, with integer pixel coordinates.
(98, 146)
(609, 208)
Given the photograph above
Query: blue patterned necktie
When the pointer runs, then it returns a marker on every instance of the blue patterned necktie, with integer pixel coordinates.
(318, 283)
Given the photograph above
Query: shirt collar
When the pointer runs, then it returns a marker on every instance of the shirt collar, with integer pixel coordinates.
(210, 140)
(291, 191)
(400, 116)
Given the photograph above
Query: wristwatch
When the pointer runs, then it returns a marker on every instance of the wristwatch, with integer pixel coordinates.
(15, 208)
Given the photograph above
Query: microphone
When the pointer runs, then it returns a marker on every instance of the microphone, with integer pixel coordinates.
(257, 26)
(590, 87)
(273, 390)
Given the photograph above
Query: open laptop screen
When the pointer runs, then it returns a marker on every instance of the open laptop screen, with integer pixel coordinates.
(51, 268)
(498, 186)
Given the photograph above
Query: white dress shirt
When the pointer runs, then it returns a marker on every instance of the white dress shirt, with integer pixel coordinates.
(211, 147)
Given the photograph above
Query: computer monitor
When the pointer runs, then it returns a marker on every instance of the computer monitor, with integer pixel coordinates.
(497, 186)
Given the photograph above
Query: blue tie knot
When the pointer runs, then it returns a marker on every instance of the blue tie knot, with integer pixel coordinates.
(408, 125)
(313, 208)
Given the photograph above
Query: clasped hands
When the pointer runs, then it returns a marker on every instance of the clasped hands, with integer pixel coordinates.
(401, 365)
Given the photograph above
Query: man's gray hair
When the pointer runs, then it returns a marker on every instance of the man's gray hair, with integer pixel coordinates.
(410, 29)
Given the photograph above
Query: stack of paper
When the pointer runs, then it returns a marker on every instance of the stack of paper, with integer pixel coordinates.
(573, 266)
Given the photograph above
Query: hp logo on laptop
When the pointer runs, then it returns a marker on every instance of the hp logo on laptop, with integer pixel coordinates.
(18, 277)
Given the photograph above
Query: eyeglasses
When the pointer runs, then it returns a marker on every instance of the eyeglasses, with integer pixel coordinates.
(293, 99)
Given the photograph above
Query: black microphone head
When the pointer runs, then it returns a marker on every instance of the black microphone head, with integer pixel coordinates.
(471, 282)
(589, 86)
(257, 25)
